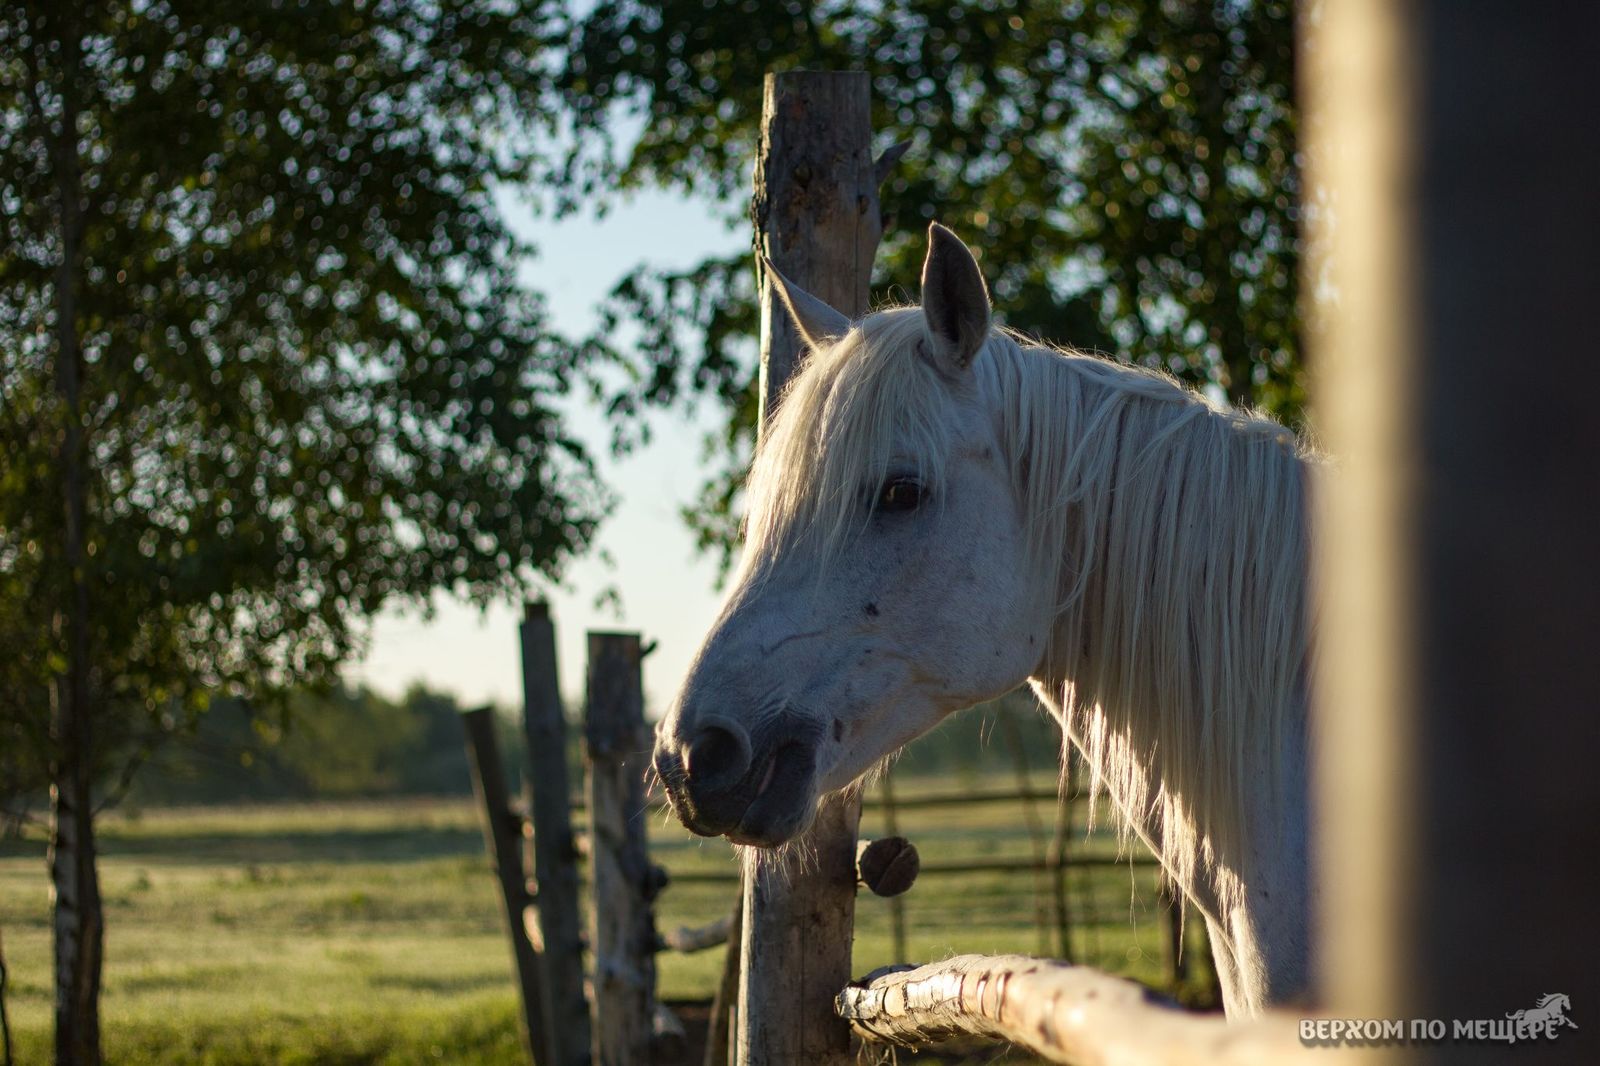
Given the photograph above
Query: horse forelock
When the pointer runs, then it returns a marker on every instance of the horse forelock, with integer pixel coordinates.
(852, 411)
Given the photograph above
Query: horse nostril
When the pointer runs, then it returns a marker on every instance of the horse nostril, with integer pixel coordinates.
(716, 757)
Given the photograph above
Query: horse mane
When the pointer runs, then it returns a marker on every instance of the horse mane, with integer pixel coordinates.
(1170, 532)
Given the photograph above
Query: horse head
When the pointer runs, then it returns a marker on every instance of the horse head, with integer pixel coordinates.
(883, 583)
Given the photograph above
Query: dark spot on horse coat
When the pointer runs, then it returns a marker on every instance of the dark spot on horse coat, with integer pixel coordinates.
(838, 730)
(871, 609)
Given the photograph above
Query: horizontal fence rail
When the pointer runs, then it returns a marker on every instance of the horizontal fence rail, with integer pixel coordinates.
(717, 877)
(1059, 1012)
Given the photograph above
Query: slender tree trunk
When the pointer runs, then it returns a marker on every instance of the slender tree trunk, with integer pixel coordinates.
(5, 1021)
(78, 921)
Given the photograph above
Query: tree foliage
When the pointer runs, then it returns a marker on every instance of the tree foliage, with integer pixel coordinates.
(310, 382)
(1127, 170)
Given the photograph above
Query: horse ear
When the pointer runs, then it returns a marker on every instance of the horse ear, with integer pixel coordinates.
(955, 301)
(819, 324)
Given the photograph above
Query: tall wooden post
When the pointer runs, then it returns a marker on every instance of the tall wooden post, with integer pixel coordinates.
(817, 218)
(1458, 697)
(554, 856)
(624, 929)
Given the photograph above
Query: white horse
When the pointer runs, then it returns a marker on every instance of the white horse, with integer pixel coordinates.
(942, 511)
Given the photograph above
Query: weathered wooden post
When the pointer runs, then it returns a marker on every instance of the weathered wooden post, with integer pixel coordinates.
(502, 832)
(553, 852)
(1458, 541)
(624, 882)
(817, 219)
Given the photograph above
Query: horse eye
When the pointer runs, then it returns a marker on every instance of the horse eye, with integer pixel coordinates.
(900, 494)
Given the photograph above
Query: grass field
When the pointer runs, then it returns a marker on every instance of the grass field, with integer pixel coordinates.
(371, 932)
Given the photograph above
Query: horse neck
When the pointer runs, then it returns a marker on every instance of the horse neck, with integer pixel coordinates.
(1177, 658)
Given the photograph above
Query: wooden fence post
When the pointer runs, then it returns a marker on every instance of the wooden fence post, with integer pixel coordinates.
(554, 854)
(1457, 544)
(623, 880)
(502, 833)
(816, 217)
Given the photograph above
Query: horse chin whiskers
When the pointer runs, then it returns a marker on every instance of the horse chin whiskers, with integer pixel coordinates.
(876, 772)
(796, 855)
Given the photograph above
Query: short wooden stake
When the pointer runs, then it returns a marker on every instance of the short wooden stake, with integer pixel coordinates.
(502, 834)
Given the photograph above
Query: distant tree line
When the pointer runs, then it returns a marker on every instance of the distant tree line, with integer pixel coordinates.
(355, 743)
(346, 743)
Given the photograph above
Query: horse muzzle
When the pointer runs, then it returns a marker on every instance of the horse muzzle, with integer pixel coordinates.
(756, 788)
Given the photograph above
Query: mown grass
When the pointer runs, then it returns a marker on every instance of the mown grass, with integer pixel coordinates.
(371, 932)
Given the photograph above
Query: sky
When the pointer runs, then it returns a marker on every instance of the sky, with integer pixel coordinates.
(667, 592)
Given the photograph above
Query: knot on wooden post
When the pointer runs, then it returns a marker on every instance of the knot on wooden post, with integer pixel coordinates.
(887, 866)
(688, 938)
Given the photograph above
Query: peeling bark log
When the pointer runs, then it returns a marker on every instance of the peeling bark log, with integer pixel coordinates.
(1060, 1012)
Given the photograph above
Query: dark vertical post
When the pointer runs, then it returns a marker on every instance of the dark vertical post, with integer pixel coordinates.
(1459, 687)
(1059, 853)
(817, 218)
(502, 834)
(1177, 960)
(618, 747)
(554, 858)
(724, 1007)
(1508, 524)
(897, 902)
(1030, 817)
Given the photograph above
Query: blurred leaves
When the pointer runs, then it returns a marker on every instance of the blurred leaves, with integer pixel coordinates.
(1127, 169)
(311, 381)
